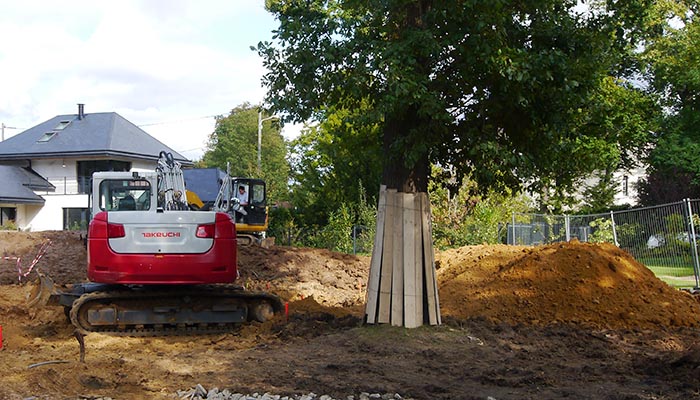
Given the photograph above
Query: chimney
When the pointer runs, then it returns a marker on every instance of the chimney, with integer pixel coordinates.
(81, 111)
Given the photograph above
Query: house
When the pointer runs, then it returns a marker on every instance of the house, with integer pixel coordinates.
(46, 170)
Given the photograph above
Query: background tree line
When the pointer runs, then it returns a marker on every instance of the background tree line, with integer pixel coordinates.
(513, 98)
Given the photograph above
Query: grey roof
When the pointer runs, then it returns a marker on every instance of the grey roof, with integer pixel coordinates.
(98, 134)
(19, 185)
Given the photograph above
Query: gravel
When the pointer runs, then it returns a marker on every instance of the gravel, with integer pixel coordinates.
(200, 393)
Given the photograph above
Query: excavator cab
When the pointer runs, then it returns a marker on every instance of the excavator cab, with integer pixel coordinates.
(245, 199)
(249, 208)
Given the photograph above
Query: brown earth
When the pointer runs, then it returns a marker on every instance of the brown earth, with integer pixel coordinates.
(570, 320)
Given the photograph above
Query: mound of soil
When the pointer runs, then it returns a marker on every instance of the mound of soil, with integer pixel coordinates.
(593, 285)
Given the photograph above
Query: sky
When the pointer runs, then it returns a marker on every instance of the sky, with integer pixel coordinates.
(168, 66)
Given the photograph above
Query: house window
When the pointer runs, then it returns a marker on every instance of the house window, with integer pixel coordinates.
(61, 125)
(86, 169)
(8, 215)
(47, 136)
(75, 219)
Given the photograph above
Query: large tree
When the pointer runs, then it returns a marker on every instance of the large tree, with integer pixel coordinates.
(490, 88)
(672, 59)
(333, 163)
(234, 144)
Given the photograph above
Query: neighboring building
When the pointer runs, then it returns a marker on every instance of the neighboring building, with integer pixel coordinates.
(46, 170)
(629, 183)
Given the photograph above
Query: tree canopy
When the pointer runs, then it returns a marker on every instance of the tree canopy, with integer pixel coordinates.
(672, 62)
(234, 143)
(501, 90)
(332, 163)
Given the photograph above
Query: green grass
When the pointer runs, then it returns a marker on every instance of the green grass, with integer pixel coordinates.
(671, 271)
(677, 276)
(678, 283)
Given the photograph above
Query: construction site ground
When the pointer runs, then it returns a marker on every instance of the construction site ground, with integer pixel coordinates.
(574, 320)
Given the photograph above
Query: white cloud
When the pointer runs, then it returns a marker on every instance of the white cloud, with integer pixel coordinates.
(172, 64)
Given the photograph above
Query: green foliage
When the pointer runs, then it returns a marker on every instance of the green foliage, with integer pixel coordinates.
(283, 227)
(612, 132)
(671, 59)
(602, 231)
(600, 197)
(78, 226)
(631, 233)
(462, 216)
(349, 227)
(675, 223)
(333, 163)
(234, 142)
(507, 93)
(9, 225)
(337, 234)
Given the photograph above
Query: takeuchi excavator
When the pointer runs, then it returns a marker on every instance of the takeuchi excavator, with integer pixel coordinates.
(156, 266)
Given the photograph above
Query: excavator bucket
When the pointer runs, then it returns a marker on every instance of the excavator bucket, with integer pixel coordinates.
(42, 289)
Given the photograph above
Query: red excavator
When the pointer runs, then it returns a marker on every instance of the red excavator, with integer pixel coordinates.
(155, 266)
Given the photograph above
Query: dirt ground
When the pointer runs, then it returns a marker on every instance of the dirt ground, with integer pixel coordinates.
(572, 320)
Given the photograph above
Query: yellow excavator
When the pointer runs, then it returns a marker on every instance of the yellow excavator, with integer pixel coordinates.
(244, 198)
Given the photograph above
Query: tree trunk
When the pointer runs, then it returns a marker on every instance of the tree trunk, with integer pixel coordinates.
(402, 287)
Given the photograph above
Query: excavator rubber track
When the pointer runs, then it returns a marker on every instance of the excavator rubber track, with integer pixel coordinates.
(148, 311)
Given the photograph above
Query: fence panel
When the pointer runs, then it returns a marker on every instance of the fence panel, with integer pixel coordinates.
(664, 238)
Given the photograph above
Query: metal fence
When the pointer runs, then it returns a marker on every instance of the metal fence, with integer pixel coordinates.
(664, 238)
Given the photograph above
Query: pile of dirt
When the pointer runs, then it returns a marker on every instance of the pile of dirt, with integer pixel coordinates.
(591, 285)
(332, 279)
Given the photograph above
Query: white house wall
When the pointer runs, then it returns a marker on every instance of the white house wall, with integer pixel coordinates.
(50, 216)
(63, 174)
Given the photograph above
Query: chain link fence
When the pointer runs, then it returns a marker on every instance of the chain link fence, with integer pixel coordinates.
(664, 238)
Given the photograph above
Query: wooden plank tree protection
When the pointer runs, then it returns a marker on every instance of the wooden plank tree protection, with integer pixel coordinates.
(402, 288)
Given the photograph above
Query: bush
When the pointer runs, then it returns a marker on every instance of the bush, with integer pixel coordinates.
(9, 225)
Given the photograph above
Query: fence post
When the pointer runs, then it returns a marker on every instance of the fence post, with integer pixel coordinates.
(567, 227)
(693, 244)
(512, 227)
(612, 218)
(354, 239)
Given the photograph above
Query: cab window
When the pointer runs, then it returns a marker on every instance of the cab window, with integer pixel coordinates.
(258, 194)
(125, 195)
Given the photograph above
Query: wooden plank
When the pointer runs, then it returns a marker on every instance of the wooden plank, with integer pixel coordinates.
(418, 257)
(384, 303)
(432, 264)
(376, 262)
(409, 260)
(397, 262)
(428, 263)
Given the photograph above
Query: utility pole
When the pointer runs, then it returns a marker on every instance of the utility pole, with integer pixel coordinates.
(260, 121)
(3, 126)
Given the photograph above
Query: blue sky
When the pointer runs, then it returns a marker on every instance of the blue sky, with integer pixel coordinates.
(166, 65)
